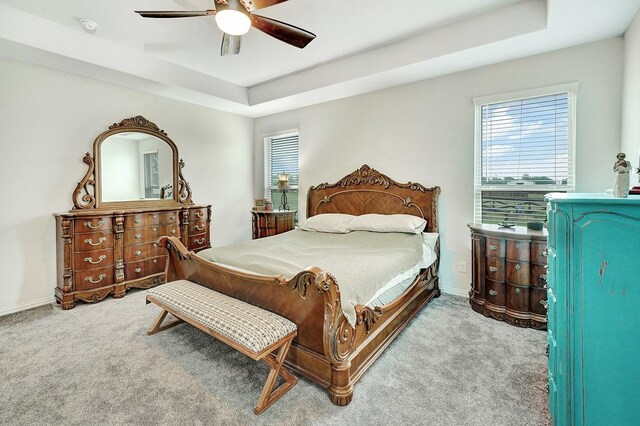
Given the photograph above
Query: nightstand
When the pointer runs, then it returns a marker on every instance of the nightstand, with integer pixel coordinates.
(272, 222)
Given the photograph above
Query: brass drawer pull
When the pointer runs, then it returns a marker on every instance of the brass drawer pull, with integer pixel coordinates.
(137, 270)
(493, 292)
(199, 227)
(546, 286)
(173, 231)
(518, 245)
(155, 260)
(544, 252)
(95, 262)
(518, 266)
(137, 221)
(155, 229)
(100, 278)
(90, 225)
(492, 247)
(545, 304)
(493, 269)
(173, 218)
(543, 276)
(517, 290)
(137, 236)
(100, 241)
(155, 216)
(199, 214)
(137, 252)
(201, 241)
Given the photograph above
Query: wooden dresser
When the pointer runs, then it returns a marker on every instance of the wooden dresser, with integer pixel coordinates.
(594, 315)
(272, 222)
(132, 194)
(108, 252)
(508, 276)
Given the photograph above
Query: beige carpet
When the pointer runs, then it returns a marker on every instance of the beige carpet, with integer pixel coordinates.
(96, 365)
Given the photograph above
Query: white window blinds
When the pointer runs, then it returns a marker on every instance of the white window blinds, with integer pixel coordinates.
(524, 149)
(281, 156)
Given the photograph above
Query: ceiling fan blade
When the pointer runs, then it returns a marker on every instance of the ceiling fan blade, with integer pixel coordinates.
(230, 45)
(253, 5)
(174, 13)
(282, 31)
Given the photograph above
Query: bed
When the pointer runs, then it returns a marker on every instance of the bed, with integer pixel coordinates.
(330, 349)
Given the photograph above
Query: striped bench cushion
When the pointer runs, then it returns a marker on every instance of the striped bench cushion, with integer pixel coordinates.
(246, 324)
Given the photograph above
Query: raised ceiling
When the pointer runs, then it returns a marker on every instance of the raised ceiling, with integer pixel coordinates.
(360, 46)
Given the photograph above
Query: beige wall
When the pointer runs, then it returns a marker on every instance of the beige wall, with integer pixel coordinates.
(49, 119)
(631, 96)
(424, 132)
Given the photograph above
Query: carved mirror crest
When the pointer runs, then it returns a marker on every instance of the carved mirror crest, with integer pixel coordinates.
(134, 164)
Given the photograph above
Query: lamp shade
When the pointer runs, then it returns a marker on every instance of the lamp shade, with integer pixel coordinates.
(283, 180)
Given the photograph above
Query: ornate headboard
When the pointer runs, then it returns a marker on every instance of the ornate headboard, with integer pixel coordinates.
(368, 191)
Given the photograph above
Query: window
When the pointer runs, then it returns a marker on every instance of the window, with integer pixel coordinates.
(281, 156)
(524, 148)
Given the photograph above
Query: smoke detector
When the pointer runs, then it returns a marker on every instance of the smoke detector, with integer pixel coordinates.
(88, 25)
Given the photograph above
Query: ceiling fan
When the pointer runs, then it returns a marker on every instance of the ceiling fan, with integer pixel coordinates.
(236, 17)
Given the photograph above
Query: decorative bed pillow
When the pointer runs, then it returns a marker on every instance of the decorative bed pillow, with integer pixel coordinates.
(334, 223)
(404, 223)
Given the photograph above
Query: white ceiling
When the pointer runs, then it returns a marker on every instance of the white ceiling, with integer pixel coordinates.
(360, 46)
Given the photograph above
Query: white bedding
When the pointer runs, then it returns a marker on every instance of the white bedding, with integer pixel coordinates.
(366, 265)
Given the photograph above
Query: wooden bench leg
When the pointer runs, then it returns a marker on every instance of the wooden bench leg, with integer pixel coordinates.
(155, 328)
(269, 395)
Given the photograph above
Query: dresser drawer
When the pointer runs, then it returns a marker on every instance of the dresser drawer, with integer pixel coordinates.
(495, 247)
(138, 252)
(197, 214)
(93, 224)
(537, 298)
(538, 253)
(93, 259)
(518, 250)
(134, 270)
(93, 241)
(495, 293)
(197, 242)
(538, 275)
(495, 269)
(199, 227)
(93, 278)
(149, 233)
(518, 272)
(517, 298)
(156, 265)
(148, 219)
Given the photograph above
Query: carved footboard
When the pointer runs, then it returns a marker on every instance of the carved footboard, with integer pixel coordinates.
(328, 350)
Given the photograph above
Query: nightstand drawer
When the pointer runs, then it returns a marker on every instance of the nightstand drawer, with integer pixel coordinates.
(495, 247)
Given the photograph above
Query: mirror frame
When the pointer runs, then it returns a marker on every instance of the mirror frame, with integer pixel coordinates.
(88, 192)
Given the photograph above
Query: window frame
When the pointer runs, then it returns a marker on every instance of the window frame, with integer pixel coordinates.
(268, 187)
(571, 89)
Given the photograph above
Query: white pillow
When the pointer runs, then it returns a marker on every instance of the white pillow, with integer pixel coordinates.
(335, 223)
(405, 223)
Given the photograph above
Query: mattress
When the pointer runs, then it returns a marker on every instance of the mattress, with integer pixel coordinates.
(368, 266)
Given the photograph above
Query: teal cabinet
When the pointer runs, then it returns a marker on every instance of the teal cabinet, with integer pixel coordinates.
(594, 309)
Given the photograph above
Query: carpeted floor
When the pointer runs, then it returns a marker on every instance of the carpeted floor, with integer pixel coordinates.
(96, 365)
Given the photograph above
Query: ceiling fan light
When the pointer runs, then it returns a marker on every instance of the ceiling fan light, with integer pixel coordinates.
(233, 22)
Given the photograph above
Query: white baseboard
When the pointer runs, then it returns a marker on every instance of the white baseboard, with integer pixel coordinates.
(455, 291)
(27, 305)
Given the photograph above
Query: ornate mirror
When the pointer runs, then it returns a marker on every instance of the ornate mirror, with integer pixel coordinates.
(134, 163)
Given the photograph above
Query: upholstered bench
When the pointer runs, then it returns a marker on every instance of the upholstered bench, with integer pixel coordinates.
(247, 328)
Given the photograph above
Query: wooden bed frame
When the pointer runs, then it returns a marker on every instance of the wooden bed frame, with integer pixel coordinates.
(328, 350)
